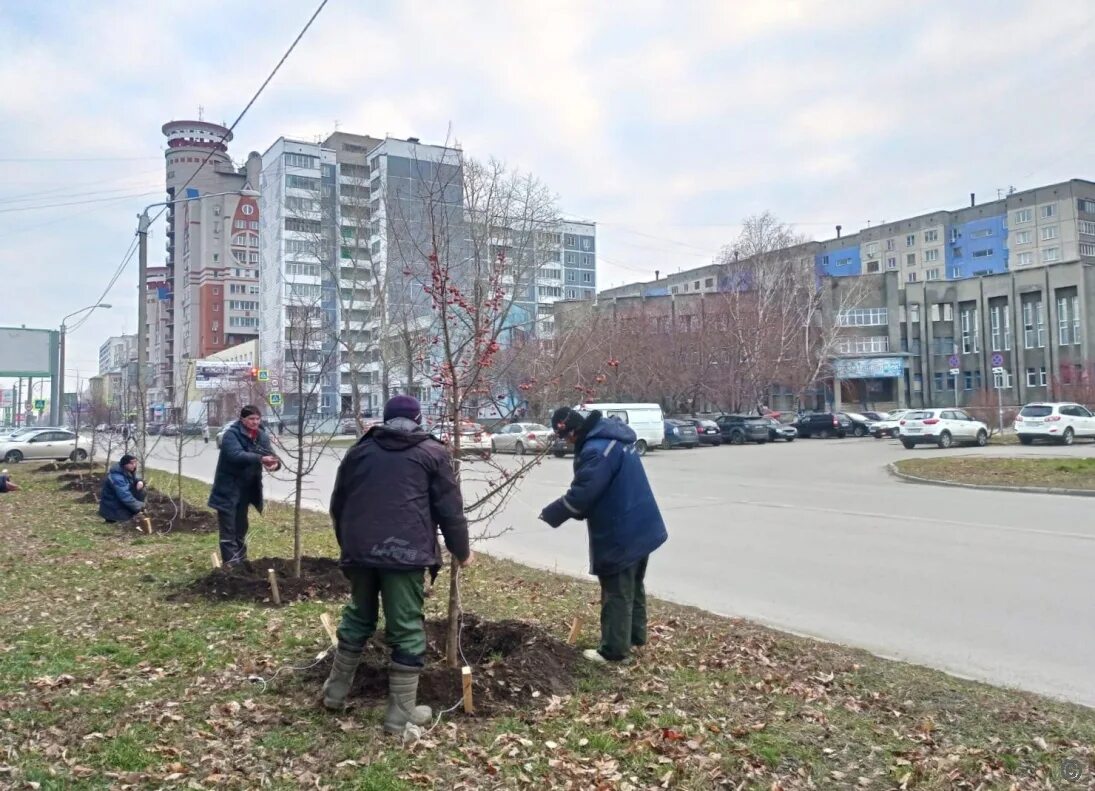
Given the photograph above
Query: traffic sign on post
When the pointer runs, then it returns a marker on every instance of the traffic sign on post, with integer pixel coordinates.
(952, 361)
(274, 399)
(998, 360)
(264, 375)
(955, 371)
(39, 404)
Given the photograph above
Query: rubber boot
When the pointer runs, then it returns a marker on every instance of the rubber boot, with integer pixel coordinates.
(337, 685)
(402, 692)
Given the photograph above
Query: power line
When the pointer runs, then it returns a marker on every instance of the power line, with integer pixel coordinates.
(30, 197)
(75, 203)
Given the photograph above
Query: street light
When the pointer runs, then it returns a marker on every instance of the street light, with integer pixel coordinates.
(143, 222)
(55, 410)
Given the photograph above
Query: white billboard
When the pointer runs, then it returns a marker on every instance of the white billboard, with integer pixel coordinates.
(220, 374)
(26, 352)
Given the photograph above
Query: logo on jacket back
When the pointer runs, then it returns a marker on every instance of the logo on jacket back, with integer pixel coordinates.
(395, 549)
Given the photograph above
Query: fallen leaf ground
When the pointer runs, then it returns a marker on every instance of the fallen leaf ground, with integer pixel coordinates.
(106, 681)
(1064, 473)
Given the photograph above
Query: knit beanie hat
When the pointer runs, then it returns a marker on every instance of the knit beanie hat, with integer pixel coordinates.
(127, 459)
(403, 406)
(565, 420)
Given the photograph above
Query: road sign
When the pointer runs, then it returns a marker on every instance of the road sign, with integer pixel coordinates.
(39, 404)
(955, 371)
(264, 375)
(999, 370)
(997, 360)
(953, 361)
(274, 399)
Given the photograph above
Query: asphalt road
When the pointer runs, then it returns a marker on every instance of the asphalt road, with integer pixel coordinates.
(816, 538)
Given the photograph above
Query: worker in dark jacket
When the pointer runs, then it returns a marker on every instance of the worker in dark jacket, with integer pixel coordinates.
(610, 491)
(6, 483)
(237, 483)
(394, 489)
(122, 494)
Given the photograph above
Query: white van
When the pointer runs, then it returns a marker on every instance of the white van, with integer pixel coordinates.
(646, 420)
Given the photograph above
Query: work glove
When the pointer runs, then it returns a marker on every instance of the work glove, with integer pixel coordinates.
(556, 513)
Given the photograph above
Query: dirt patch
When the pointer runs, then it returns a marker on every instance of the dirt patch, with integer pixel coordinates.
(60, 466)
(160, 508)
(88, 497)
(320, 579)
(514, 664)
(81, 483)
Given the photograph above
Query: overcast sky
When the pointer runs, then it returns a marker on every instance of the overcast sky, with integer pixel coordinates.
(666, 123)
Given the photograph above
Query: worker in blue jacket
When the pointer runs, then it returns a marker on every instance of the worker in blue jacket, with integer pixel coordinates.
(611, 492)
(122, 494)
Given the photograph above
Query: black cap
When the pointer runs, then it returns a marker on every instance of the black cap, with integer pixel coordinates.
(565, 420)
(126, 459)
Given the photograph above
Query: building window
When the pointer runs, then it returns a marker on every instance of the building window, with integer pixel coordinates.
(1086, 227)
(572, 294)
(570, 276)
(1050, 210)
(1085, 205)
(1051, 254)
(696, 286)
(972, 380)
(674, 290)
(971, 337)
(871, 249)
(1087, 249)
(891, 263)
(570, 241)
(878, 344)
(1025, 259)
(981, 234)
(910, 240)
(1068, 320)
(302, 183)
(914, 313)
(1022, 237)
(572, 259)
(1034, 328)
(587, 277)
(931, 236)
(912, 277)
(1000, 327)
(983, 253)
(709, 282)
(863, 317)
(930, 256)
(300, 161)
(1001, 380)
(1023, 215)
(956, 272)
(932, 274)
(1036, 377)
(1049, 233)
(890, 244)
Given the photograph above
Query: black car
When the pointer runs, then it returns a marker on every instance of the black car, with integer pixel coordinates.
(861, 424)
(739, 429)
(706, 430)
(777, 430)
(823, 425)
(680, 434)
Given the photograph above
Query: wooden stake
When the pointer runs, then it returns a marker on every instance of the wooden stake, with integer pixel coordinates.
(148, 525)
(469, 703)
(216, 558)
(575, 630)
(329, 627)
(274, 593)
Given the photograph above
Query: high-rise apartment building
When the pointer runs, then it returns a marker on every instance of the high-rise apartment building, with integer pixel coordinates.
(116, 352)
(205, 297)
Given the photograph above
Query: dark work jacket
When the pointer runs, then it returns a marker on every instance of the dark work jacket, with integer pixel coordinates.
(394, 489)
(239, 469)
(611, 492)
(117, 498)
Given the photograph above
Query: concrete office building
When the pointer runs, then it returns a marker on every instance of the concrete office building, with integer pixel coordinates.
(115, 352)
(204, 298)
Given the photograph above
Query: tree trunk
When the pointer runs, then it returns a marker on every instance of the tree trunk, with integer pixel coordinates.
(452, 643)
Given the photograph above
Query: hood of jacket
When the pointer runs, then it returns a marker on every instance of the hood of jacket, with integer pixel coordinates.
(596, 425)
(393, 438)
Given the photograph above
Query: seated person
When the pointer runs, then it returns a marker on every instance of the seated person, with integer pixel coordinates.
(6, 484)
(122, 495)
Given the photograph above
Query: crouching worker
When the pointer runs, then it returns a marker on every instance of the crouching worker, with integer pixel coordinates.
(394, 489)
(610, 491)
(6, 483)
(122, 494)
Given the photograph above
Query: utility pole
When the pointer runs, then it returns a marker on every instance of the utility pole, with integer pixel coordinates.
(57, 410)
(142, 339)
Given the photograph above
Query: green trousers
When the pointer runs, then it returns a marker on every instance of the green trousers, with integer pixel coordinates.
(623, 611)
(402, 596)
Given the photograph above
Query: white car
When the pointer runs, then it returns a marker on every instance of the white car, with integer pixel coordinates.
(943, 427)
(50, 443)
(1056, 422)
(888, 427)
(474, 439)
(521, 437)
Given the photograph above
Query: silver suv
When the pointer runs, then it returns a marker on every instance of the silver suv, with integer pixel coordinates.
(1055, 422)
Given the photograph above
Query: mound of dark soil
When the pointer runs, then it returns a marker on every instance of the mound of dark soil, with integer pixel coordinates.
(88, 497)
(510, 661)
(160, 508)
(320, 579)
(81, 483)
(59, 466)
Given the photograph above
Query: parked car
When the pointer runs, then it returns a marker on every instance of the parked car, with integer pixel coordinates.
(874, 417)
(707, 431)
(474, 439)
(739, 429)
(942, 427)
(153, 429)
(191, 429)
(42, 444)
(680, 434)
(822, 425)
(1057, 422)
(517, 438)
(777, 430)
(888, 427)
(860, 424)
(646, 420)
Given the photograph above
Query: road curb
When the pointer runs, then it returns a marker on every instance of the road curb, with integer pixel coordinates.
(904, 476)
